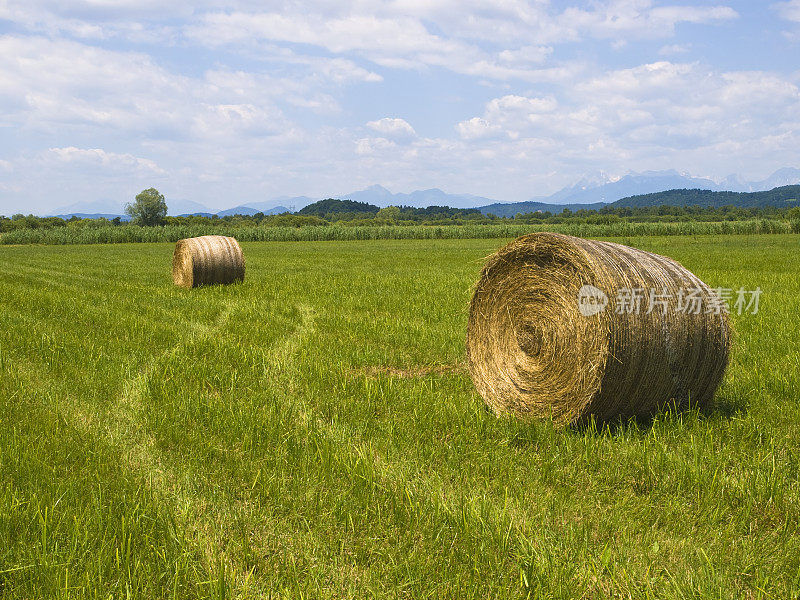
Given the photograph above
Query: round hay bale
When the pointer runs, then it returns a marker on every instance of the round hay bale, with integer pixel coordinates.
(207, 260)
(542, 344)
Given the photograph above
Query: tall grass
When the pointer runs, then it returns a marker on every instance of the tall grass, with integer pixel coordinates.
(136, 234)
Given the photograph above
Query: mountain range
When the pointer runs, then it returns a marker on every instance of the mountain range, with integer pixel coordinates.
(593, 191)
(596, 191)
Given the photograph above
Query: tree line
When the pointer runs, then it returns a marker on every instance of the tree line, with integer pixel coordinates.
(150, 210)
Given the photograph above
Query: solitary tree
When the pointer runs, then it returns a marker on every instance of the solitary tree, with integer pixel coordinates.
(149, 209)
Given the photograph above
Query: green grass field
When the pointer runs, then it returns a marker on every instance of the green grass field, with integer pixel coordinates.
(313, 433)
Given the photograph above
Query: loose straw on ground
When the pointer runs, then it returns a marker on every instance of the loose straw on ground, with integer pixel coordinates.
(538, 350)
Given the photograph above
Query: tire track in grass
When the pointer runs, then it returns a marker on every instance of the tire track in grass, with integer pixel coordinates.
(123, 424)
(418, 493)
(125, 428)
(355, 455)
(207, 523)
(135, 388)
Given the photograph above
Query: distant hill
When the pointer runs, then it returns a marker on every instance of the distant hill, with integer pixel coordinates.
(181, 206)
(276, 210)
(782, 177)
(109, 216)
(381, 197)
(282, 204)
(599, 187)
(238, 210)
(91, 207)
(781, 197)
(593, 191)
(324, 207)
(250, 211)
(597, 190)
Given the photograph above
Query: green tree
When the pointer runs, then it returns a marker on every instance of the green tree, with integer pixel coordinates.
(390, 213)
(149, 209)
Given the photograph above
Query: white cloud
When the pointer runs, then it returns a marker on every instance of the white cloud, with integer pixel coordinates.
(354, 32)
(370, 146)
(681, 115)
(396, 128)
(224, 125)
(543, 23)
(510, 20)
(638, 19)
(262, 89)
(398, 42)
(789, 10)
(507, 116)
(59, 176)
(644, 79)
(47, 85)
(673, 49)
(477, 128)
(241, 120)
(461, 36)
(100, 159)
(521, 104)
(525, 55)
(338, 70)
(397, 35)
(95, 21)
(643, 118)
(271, 99)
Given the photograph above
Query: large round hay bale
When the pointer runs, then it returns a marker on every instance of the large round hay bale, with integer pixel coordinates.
(536, 349)
(207, 260)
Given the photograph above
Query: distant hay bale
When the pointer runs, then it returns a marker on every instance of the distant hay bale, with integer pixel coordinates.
(207, 260)
(535, 350)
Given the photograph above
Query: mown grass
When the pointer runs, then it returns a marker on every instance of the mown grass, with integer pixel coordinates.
(341, 232)
(312, 433)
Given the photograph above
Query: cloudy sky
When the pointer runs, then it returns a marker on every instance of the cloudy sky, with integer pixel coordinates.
(231, 102)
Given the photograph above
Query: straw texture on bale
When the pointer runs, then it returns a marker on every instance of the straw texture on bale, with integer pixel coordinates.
(207, 260)
(534, 354)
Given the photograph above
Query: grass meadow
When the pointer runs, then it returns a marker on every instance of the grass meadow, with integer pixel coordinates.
(313, 433)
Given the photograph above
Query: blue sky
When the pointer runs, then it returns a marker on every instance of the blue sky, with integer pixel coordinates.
(226, 103)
